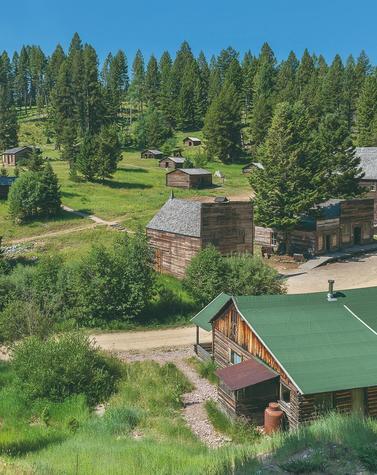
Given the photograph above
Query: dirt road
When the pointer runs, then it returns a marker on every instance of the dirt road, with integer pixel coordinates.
(358, 272)
(146, 340)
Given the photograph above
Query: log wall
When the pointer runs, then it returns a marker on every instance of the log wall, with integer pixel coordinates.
(179, 179)
(173, 252)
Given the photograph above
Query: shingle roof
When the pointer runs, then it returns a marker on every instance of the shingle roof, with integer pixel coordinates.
(176, 159)
(178, 217)
(194, 139)
(7, 180)
(368, 161)
(15, 150)
(193, 171)
(155, 152)
(321, 345)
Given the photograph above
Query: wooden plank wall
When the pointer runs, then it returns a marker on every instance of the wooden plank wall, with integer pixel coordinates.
(262, 236)
(357, 213)
(173, 252)
(228, 226)
(301, 241)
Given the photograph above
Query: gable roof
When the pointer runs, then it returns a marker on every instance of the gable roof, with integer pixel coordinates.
(153, 151)
(192, 171)
(15, 150)
(175, 159)
(193, 139)
(368, 162)
(322, 346)
(178, 217)
(7, 180)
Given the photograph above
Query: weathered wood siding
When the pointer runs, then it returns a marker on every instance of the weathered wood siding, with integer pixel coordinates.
(179, 179)
(10, 159)
(371, 186)
(173, 252)
(167, 163)
(300, 241)
(228, 226)
(263, 236)
(357, 213)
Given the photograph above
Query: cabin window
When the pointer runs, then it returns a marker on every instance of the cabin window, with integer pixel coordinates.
(323, 402)
(285, 393)
(274, 240)
(372, 187)
(235, 358)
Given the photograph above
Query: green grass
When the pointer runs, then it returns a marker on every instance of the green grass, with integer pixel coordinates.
(206, 369)
(132, 197)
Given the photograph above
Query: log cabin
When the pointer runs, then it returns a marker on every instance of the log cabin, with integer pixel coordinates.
(189, 178)
(183, 227)
(191, 141)
(329, 227)
(14, 156)
(311, 353)
(151, 154)
(5, 183)
(172, 162)
(368, 164)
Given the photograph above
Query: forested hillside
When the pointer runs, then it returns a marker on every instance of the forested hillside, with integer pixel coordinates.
(228, 94)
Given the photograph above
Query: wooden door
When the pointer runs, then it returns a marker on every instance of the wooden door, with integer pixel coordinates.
(358, 401)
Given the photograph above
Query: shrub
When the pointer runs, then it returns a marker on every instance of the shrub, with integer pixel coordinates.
(314, 463)
(205, 275)
(58, 368)
(368, 457)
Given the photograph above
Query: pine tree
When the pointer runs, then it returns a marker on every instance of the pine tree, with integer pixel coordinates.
(226, 58)
(22, 79)
(86, 160)
(222, 125)
(35, 161)
(50, 201)
(186, 107)
(165, 98)
(249, 68)
(108, 152)
(286, 84)
(332, 94)
(201, 90)
(288, 185)
(53, 67)
(93, 98)
(366, 115)
(8, 116)
(342, 179)
(137, 89)
(152, 82)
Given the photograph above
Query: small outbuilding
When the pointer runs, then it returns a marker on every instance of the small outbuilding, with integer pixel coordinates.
(183, 227)
(189, 178)
(157, 154)
(191, 141)
(5, 183)
(14, 156)
(172, 162)
(252, 166)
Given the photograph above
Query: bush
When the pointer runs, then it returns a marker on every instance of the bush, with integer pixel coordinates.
(209, 274)
(58, 368)
(34, 194)
(368, 457)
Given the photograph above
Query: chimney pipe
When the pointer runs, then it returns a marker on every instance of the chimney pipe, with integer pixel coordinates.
(331, 296)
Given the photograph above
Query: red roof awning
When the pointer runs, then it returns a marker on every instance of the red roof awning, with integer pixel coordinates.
(245, 374)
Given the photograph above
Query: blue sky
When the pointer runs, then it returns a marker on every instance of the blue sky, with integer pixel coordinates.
(323, 26)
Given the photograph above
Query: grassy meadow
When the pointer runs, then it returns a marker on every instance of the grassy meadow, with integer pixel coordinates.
(143, 432)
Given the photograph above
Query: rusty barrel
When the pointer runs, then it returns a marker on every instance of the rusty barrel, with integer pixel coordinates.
(273, 417)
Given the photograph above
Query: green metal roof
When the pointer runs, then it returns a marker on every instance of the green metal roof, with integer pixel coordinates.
(204, 317)
(322, 346)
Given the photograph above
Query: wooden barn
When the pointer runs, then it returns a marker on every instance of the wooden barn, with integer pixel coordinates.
(368, 164)
(5, 183)
(14, 156)
(331, 226)
(191, 141)
(152, 154)
(182, 228)
(310, 353)
(189, 178)
(172, 162)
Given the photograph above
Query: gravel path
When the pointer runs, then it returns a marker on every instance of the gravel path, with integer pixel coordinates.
(193, 411)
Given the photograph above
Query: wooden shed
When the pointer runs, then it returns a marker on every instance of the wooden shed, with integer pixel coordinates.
(5, 183)
(14, 156)
(311, 353)
(189, 178)
(172, 162)
(191, 141)
(329, 227)
(252, 166)
(183, 227)
(151, 154)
